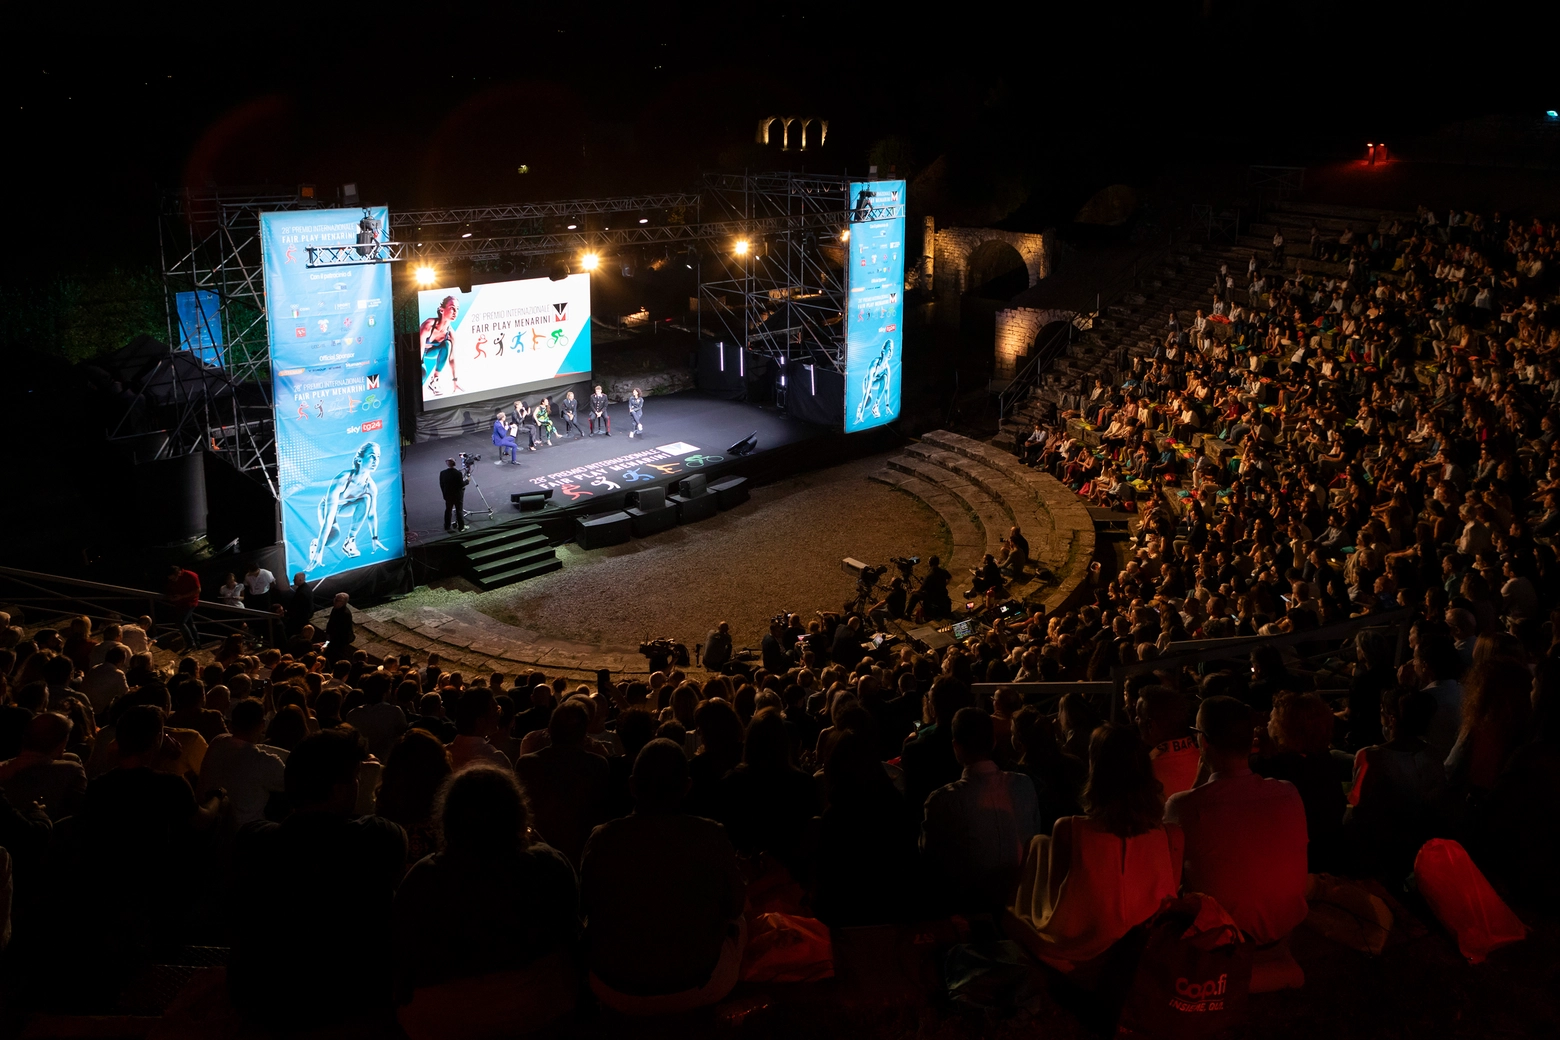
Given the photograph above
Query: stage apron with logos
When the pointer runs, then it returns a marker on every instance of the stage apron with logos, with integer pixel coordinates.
(338, 442)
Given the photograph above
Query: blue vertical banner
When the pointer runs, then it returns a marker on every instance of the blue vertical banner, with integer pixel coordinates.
(875, 311)
(338, 442)
(200, 325)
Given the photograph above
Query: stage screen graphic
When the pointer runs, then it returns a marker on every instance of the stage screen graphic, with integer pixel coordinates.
(503, 338)
(874, 317)
(338, 443)
(200, 324)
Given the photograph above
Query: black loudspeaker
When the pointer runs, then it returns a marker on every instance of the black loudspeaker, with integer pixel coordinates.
(698, 507)
(691, 487)
(598, 531)
(746, 446)
(650, 521)
(647, 500)
(171, 498)
(530, 501)
(730, 492)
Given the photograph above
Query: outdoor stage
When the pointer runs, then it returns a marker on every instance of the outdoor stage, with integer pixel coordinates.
(684, 433)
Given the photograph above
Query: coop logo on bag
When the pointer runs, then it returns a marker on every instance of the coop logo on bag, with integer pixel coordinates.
(1197, 995)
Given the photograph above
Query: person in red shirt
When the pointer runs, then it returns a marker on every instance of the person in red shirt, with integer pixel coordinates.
(183, 590)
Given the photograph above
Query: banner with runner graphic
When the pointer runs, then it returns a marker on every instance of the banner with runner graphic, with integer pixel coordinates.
(874, 314)
(504, 338)
(338, 443)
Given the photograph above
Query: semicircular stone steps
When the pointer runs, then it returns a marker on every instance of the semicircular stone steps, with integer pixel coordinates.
(970, 482)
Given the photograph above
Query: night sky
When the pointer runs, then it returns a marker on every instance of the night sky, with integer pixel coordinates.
(104, 112)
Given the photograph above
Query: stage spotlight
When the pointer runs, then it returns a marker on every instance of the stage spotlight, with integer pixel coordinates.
(573, 227)
(845, 235)
(466, 235)
(746, 446)
(559, 271)
(590, 261)
(426, 276)
(741, 247)
(644, 220)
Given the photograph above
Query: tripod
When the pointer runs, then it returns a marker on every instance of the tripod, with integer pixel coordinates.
(472, 480)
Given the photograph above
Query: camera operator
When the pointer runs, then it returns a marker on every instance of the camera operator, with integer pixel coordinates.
(846, 650)
(452, 485)
(891, 605)
(932, 596)
(717, 647)
(776, 660)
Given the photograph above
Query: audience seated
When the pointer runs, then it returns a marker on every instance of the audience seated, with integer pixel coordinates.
(1097, 876)
(977, 829)
(1245, 834)
(1161, 716)
(567, 787)
(663, 896)
(481, 974)
(284, 942)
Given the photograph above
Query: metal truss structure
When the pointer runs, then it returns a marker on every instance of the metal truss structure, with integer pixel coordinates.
(780, 289)
(783, 296)
(210, 242)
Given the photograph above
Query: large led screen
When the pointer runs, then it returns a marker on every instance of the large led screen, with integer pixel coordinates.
(503, 338)
(338, 444)
(874, 316)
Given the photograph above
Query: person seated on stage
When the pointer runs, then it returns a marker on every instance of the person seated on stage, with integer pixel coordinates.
(544, 423)
(503, 438)
(522, 421)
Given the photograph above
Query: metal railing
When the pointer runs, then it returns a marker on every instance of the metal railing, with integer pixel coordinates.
(1199, 651)
(44, 597)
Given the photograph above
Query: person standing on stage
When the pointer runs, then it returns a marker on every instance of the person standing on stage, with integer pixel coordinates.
(452, 485)
(261, 584)
(636, 410)
(569, 408)
(598, 413)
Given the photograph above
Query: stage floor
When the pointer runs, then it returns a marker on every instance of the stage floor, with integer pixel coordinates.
(684, 433)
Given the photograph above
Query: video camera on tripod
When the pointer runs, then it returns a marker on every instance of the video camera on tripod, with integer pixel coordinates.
(906, 565)
(468, 460)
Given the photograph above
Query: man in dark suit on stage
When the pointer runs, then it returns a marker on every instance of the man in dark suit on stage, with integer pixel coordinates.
(452, 485)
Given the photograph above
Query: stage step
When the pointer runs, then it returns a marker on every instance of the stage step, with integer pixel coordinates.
(521, 573)
(505, 555)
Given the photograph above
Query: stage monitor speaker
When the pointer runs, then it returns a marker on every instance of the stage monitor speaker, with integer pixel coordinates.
(698, 507)
(691, 487)
(607, 529)
(647, 499)
(645, 522)
(746, 446)
(530, 501)
(730, 492)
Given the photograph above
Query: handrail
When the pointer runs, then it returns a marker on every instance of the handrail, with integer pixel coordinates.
(52, 595)
(1219, 649)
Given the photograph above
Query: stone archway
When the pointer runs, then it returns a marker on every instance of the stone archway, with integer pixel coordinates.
(1018, 329)
(996, 271)
(954, 248)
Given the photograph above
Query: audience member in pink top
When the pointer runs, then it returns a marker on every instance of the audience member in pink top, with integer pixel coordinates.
(1161, 719)
(1098, 876)
(1245, 835)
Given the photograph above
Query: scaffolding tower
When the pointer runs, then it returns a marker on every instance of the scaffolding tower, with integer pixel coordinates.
(777, 283)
